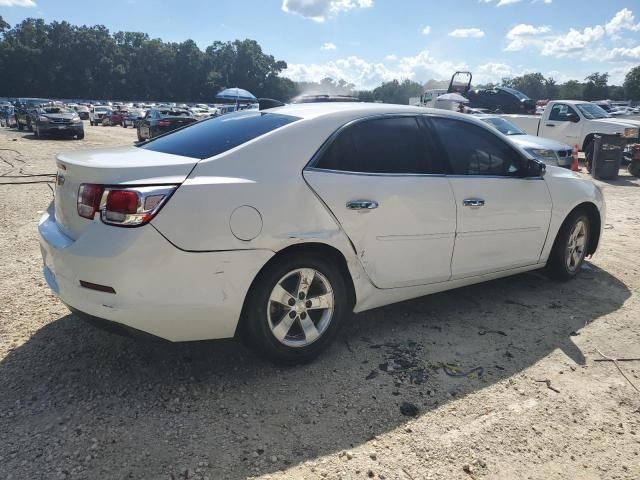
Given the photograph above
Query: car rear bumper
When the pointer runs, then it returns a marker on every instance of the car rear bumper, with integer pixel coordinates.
(159, 289)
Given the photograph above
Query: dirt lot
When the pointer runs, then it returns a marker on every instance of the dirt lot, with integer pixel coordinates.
(76, 402)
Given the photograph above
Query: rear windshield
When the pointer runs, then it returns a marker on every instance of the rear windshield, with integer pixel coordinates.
(213, 136)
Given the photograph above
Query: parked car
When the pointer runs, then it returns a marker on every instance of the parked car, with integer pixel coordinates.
(113, 118)
(25, 111)
(83, 111)
(576, 122)
(501, 100)
(97, 112)
(159, 121)
(132, 118)
(551, 152)
(58, 120)
(274, 225)
(200, 113)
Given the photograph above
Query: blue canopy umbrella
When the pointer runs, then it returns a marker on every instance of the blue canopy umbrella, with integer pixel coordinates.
(237, 95)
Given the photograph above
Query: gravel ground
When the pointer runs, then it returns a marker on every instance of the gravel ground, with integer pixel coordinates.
(492, 381)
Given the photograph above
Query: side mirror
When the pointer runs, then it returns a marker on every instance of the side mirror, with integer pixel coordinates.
(534, 168)
(572, 117)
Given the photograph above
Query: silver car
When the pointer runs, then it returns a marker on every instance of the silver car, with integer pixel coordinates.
(546, 150)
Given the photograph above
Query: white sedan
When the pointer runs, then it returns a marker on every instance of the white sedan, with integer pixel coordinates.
(274, 225)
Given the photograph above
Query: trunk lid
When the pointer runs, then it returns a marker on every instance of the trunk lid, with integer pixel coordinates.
(114, 166)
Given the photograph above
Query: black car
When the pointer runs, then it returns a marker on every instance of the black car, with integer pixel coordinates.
(25, 111)
(159, 121)
(501, 100)
(58, 120)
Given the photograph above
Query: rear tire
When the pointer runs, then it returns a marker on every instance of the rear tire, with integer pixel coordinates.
(310, 315)
(20, 127)
(588, 155)
(570, 247)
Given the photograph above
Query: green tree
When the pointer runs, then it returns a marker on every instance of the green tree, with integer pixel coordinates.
(3, 25)
(595, 87)
(571, 90)
(632, 84)
(531, 84)
(397, 92)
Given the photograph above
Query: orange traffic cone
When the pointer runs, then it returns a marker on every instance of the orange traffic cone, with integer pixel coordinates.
(575, 166)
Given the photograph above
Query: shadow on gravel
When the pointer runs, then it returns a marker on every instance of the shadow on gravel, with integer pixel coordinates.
(76, 399)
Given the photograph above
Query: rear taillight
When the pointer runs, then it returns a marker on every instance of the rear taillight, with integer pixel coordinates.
(164, 123)
(128, 207)
(89, 198)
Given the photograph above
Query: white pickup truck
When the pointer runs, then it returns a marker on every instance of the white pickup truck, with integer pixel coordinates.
(575, 122)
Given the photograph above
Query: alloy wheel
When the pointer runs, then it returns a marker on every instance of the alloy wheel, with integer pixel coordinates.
(300, 307)
(576, 246)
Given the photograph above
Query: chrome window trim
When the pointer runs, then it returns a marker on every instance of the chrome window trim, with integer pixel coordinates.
(440, 175)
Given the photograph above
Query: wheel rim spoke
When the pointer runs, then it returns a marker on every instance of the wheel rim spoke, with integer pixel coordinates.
(321, 301)
(281, 330)
(310, 331)
(280, 295)
(306, 278)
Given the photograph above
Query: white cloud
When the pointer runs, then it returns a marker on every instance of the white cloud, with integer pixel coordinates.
(426, 30)
(624, 54)
(591, 43)
(320, 10)
(572, 42)
(523, 35)
(467, 33)
(328, 46)
(506, 2)
(365, 74)
(392, 58)
(623, 20)
(17, 3)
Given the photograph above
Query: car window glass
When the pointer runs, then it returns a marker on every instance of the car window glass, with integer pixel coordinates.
(384, 145)
(472, 150)
(561, 112)
(213, 136)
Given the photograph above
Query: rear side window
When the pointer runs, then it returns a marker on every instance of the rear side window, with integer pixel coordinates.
(472, 150)
(395, 145)
(217, 135)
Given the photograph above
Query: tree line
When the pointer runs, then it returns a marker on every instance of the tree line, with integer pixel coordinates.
(60, 60)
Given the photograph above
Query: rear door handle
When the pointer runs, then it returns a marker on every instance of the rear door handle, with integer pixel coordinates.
(473, 202)
(549, 125)
(362, 204)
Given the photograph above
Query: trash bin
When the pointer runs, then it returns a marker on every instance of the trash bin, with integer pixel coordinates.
(607, 156)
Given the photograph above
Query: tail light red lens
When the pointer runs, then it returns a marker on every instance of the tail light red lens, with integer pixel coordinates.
(126, 207)
(164, 123)
(89, 197)
(122, 201)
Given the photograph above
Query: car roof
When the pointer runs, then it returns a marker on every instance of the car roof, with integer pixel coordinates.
(357, 110)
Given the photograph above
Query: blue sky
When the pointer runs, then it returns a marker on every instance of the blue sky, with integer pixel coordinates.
(370, 41)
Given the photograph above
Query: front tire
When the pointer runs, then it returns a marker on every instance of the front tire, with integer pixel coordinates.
(295, 309)
(570, 247)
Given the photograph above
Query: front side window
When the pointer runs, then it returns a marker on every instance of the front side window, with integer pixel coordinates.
(213, 136)
(393, 145)
(562, 113)
(472, 150)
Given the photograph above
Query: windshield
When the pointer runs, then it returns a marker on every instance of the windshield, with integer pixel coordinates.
(592, 111)
(56, 110)
(32, 102)
(516, 93)
(102, 109)
(503, 126)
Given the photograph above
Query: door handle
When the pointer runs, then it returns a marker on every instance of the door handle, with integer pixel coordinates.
(362, 204)
(549, 125)
(473, 202)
